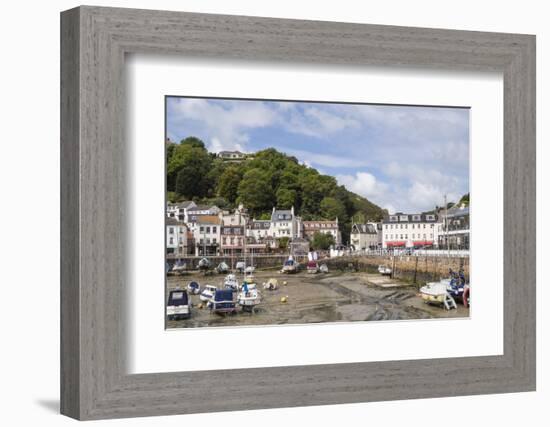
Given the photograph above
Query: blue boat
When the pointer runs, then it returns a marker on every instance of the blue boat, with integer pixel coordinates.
(223, 302)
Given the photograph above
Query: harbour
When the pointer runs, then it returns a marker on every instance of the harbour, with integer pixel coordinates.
(352, 290)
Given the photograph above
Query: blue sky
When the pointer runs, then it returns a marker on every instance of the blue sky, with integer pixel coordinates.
(400, 157)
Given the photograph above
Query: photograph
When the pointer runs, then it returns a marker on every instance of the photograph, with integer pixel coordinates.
(286, 212)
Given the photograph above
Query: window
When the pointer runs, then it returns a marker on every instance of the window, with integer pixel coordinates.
(201, 229)
(393, 218)
(214, 230)
(171, 230)
(416, 217)
(208, 229)
(224, 240)
(403, 218)
(386, 226)
(171, 240)
(214, 241)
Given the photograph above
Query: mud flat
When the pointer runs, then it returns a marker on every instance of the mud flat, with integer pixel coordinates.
(316, 298)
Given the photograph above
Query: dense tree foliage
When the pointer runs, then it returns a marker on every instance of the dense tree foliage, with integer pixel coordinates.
(322, 241)
(266, 179)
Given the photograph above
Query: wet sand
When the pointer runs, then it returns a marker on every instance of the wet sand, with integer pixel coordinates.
(316, 298)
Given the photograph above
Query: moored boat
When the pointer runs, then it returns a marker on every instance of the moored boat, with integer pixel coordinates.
(249, 297)
(384, 270)
(312, 267)
(178, 306)
(231, 282)
(179, 267)
(193, 288)
(223, 302)
(208, 293)
(290, 266)
(222, 268)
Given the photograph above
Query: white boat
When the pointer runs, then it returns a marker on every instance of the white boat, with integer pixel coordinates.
(178, 306)
(208, 293)
(323, 268)
(222, 268)
(231, 282)
(249, 297)
(290, 266)
(436, 292)
(204, 264)
(249, 278)
(240, 266)
(179, 267)
(384, 271)
(250, 269)
(193, 288)
(271, 285)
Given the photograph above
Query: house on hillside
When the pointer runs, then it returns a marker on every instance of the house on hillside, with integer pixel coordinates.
(232, 155)
(194, 213)
(284, 223)
(179, 210)
(232, 240)
(258, 229)
(176, 237)
(206, 233)
(324, 227)
(365, 236)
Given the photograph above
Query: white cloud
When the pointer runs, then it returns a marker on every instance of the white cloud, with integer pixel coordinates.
(226, 123)
(328, 160)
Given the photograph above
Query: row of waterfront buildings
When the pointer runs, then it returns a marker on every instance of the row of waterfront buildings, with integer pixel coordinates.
(197, 230)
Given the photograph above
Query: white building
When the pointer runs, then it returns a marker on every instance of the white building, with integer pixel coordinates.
(259, 229)
(179, 210)
(238, 217)
(232, 155)
(176, 237)
(365, 236)
(285, 224)
(410, 230)
(206, 233)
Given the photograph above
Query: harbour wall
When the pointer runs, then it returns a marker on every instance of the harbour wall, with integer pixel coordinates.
(414, 269)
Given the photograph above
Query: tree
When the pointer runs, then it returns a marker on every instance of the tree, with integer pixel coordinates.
(192, 176)
(286, 198)
(332, 208)
(228, 183)
(322, 241)
(192, 155)
(255, 191)
(283, 242)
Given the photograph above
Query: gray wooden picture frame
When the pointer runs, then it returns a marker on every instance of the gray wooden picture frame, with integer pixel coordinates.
(94, 381)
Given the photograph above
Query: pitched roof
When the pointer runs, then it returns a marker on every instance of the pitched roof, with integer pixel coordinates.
(208, 219)
(173, 221)
(315, 225)
(409, 218)
(365, 228)
(281, 215)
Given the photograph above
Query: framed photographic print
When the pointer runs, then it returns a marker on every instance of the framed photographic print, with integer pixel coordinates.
(290, 213)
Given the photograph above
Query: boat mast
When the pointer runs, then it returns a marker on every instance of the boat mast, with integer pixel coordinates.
(447, 228)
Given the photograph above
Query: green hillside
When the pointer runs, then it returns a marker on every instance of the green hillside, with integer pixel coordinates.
(266, 179)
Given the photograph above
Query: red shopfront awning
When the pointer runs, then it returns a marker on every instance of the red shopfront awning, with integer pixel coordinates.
(423, 243)
(391, 244)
